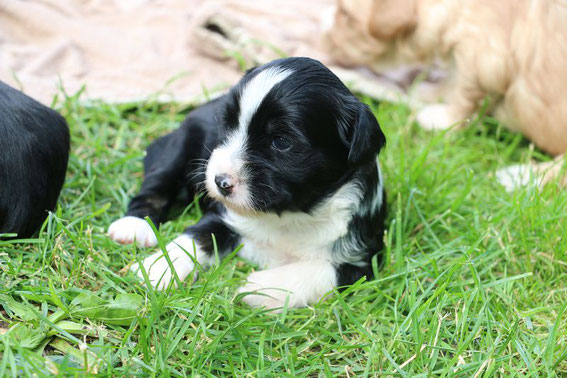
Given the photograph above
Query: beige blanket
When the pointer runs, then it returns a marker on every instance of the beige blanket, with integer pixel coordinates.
(168, 50)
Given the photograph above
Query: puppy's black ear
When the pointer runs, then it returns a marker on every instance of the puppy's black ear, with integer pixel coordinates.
(364, 136)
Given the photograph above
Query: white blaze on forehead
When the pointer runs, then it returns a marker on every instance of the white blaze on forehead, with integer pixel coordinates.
(255, 90)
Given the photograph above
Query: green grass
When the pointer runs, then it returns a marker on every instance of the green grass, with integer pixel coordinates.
(474, 281)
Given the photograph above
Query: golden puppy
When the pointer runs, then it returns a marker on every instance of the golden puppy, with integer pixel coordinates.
(513, 52)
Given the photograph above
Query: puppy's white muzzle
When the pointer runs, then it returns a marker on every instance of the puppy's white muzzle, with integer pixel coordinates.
(225, 176)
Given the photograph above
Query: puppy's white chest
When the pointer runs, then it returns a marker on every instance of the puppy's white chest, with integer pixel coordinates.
(267, 255)
(272, 240)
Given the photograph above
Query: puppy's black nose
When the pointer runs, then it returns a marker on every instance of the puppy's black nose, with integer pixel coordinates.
(225, 183)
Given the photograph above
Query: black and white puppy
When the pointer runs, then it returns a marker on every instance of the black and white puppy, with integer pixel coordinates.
(34, 150)
(292, 176)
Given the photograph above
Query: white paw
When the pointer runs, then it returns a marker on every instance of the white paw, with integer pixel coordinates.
(436, 117)
(179, 251)
(516, 176)
(327, 19)
(263, 290)
(301, 284)
(126, 230)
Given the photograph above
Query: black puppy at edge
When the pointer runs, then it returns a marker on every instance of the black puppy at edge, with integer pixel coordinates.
(34, 150)
(292, 176)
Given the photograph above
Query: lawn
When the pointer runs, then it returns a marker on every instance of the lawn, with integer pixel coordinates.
(474, 280)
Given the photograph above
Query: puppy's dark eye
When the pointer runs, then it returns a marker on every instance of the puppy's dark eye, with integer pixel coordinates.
(281, 143)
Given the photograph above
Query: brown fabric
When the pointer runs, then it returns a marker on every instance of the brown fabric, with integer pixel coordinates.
(131, 50)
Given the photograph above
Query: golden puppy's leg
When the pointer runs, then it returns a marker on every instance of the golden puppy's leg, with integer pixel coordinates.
(461, 102)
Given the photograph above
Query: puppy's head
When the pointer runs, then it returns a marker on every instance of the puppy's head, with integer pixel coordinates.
(293, 134)
(364, 32)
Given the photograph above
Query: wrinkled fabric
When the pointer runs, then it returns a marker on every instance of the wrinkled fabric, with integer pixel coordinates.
(167, 50)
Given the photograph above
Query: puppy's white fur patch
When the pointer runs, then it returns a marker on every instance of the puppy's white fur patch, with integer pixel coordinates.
(128, 229)
(376, 203)
(255, 90)
(303, 283)
(179, 251)
(436, 117)
(272, 240)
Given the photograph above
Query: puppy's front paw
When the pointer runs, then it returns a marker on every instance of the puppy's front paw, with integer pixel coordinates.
(300, 283)
(436, 117)
(128, 229)
(262, 289)
(516, 176)
(179, 251)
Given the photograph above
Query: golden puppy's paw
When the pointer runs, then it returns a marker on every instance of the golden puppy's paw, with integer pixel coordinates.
(437, 117)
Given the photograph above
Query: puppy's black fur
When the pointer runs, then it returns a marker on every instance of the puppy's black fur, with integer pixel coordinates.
(34, 150)
(173, 165)
(334, 140)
